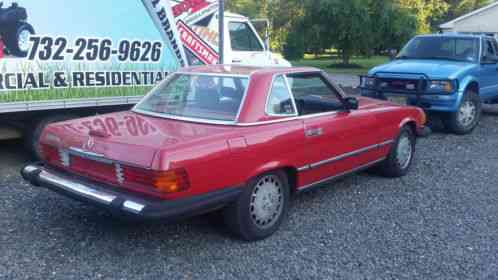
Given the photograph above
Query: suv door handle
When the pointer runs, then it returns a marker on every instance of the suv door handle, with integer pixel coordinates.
(236, 60)
(313, 132)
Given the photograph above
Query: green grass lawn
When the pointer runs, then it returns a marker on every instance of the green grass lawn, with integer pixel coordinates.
(77, 93)
(331, 64)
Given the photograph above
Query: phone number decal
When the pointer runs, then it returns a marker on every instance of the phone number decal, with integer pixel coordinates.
(94, 49)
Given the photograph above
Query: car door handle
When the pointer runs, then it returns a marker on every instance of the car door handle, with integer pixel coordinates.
(236, 60)
(313, 132)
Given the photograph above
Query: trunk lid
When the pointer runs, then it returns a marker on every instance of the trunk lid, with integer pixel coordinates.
(127, 137)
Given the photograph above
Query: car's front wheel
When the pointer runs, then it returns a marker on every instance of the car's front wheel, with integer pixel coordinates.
(400, 158)
(468, 115)
(261, 208)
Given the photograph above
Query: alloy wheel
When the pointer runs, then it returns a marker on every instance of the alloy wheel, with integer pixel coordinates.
(267, 201)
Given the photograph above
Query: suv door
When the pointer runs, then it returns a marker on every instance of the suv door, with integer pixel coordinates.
(245, 46)
(489, 70)
(337, 141)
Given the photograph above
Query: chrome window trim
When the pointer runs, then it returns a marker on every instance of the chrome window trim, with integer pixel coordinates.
(270, 92)
(342, 174)
(224, 75)
(187, 119)
(289, 119)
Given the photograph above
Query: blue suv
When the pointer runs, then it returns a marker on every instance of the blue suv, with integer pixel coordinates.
(448, 74)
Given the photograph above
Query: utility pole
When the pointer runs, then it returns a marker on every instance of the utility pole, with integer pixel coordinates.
(221, 30)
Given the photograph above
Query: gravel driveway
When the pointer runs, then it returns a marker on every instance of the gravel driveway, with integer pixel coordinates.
(439, 222)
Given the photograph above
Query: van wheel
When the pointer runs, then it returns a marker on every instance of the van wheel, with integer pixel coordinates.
(401, 155)
(261, 208)
(34, 131)
(17, 39)
(466, 119)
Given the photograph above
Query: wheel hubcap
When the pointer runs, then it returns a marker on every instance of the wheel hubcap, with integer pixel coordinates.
(467, 113)
(404, 152)
(266, 201)
(24, 40)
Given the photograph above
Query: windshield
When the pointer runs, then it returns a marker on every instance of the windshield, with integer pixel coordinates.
(459, 49)
(214, 98)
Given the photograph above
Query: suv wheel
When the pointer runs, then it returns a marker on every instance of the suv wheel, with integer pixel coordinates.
(466, 119)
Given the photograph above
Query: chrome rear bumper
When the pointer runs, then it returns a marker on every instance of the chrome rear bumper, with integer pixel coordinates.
(125, 203)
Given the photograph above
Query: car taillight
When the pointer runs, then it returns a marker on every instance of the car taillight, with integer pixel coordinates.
(172, 181)
(49, 154)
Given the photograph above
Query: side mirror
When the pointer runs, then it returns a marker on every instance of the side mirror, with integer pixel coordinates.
(351, 103)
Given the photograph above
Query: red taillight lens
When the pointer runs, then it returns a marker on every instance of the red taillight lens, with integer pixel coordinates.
(50, 154)
(172, 181)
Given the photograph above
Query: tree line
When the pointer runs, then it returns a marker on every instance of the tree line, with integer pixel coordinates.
(352, 27)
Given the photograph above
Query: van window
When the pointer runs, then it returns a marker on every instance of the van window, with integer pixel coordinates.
(313, 95)
(280, 100)
(243, 38)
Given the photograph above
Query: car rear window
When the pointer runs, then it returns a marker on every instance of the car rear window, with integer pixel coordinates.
(197, 96)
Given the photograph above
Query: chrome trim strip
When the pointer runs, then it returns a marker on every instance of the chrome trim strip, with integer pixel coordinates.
(289, 119)
(225, 75)
(76, 188)
(304, 168)
(350, 154)
(359, 168)
(89, 155)
(187, 119)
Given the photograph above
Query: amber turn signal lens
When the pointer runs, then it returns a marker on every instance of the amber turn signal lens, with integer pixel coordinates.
(171, 181)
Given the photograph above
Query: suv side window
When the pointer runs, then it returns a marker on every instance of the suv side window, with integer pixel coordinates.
(313, 94)
(280, 101)
(489, 49)
(242, 38)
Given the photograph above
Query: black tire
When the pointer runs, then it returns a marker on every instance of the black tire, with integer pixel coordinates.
(34, 131)
(454, 123)
(394, 166)
(241, 216)
(13, 37)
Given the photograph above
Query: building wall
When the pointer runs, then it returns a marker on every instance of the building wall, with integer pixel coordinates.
(485, 22)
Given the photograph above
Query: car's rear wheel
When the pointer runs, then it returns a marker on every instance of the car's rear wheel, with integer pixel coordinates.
(400, 158)
(468, 115)
(261, 208)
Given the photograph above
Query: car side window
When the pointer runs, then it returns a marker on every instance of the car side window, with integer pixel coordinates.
(314, 95)
(280, 100)
(242, 38)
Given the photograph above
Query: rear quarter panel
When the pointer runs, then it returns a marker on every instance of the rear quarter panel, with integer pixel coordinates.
(234, 159)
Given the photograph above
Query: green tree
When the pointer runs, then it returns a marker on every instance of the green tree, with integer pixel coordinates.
(346, 24)
(426, 11)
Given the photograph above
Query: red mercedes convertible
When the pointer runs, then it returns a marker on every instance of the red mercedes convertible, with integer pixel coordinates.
(231, 138)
